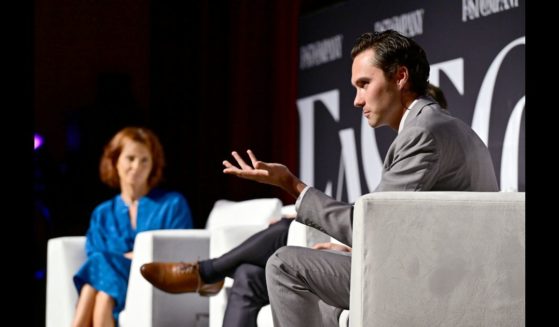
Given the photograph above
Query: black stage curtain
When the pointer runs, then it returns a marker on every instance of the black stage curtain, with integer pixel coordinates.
(223, 78)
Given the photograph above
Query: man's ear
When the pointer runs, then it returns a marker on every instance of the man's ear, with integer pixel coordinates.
(402, 76)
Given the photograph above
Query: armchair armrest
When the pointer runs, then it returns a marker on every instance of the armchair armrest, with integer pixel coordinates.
(65, 255)
(438, 258)
(303, 235)
(148, 306)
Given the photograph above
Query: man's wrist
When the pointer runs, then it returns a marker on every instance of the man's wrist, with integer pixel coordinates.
(296, 187)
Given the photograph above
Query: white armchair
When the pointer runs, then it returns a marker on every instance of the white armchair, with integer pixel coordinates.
(435, 258)
(146, 305)
(438, 259)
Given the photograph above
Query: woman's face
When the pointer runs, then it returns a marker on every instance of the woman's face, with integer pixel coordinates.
(134, 164)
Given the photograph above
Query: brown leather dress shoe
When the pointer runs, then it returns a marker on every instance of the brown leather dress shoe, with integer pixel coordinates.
(178, 277)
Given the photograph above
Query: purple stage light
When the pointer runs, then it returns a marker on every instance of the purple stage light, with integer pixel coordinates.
(38, 141)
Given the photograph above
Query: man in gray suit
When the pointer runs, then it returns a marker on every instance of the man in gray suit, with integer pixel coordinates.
(432, 152)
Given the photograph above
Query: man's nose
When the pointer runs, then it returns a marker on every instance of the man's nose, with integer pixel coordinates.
(358, 101)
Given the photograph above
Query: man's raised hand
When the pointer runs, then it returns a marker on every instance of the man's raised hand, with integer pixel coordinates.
(268, 173)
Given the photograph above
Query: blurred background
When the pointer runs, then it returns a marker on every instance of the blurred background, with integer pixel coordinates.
(208, 77)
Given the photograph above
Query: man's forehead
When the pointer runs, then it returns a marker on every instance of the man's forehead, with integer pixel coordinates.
(363, 66)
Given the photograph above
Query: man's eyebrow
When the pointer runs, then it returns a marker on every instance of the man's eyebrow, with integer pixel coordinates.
(362, 79)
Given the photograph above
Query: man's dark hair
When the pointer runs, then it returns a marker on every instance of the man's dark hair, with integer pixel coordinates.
(393, 49)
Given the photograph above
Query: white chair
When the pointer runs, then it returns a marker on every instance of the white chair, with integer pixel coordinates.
(146, 305)
(438, 259)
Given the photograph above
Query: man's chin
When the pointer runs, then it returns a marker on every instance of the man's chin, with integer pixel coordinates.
(374, 123)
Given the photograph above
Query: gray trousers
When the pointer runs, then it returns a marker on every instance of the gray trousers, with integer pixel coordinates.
(308, 287)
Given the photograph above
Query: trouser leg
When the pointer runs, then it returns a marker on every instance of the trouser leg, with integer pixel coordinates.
(255, 250)
(300, 278)
(248, 295)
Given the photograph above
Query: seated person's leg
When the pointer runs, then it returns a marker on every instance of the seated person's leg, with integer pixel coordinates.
(103, 311)
(255, 250)
(300, 278)
(247, 296)
(85, 305)
(206, 277)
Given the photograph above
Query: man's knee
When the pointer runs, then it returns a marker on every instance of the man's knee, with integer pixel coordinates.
(245, 274)
(249, 285)
(281, 260)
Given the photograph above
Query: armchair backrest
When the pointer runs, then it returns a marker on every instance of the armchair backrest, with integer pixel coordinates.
(250, 212)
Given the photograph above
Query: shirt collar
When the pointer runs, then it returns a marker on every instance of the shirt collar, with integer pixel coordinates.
(401, 126)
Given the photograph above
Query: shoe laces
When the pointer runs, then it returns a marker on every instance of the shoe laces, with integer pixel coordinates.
(187, 268)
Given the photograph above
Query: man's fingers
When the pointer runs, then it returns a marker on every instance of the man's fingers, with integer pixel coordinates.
(240, 160)
(320, 246)
(259, 171)
(229, 167)
(252, 158)
(331, 246)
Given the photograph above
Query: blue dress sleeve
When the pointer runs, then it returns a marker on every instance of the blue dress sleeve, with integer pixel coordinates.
(96, 236)
(163, 210)
(182, 217)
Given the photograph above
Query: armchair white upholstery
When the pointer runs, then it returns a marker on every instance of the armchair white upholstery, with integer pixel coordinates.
(438, 259)
(149, 306)
(226, 213)
(65, 256)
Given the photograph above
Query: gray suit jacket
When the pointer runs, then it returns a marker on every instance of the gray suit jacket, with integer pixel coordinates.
(433, 152)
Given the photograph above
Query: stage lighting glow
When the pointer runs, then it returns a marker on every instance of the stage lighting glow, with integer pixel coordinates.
(38, 141)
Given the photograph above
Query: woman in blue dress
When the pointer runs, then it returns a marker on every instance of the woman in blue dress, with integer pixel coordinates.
(133, 162)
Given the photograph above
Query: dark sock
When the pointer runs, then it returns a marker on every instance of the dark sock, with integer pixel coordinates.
(207, 272)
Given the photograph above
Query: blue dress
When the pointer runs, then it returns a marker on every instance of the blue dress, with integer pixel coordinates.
(110, 235)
